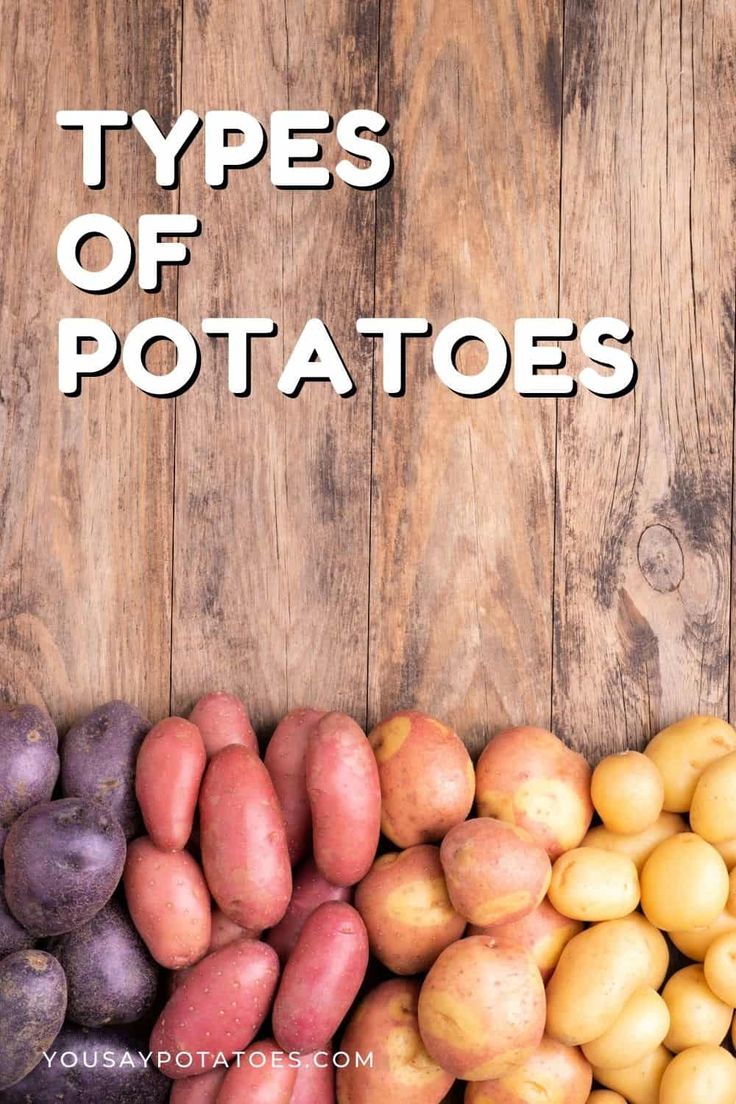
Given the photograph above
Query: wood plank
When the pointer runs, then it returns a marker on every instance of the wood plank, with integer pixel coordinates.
(272, 494)
(461, 583)
(645, 481)
(85, 484)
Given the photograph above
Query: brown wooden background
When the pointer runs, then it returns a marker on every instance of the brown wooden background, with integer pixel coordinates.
(496, 561)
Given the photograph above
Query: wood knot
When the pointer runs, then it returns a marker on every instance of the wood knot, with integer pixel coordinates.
(660, 558)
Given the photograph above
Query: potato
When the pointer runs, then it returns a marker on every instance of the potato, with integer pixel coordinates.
(385, 1024)
(528, 777)
(712, 812)
(683, 750)
(553, 1072)
(63, 861)
(597, 973)
(224, 931)
(638, 1083)
(695, 943)
(241, 978)
(639, 845)
(627, 792)
(684, 883)
(427, 778)
(731, 902)
(29, 761)
(98, 756)
(110, 977)
(200, 1089)
(659, 952)
(639, 1029)
(345, 799)
(602, 1096)
(404, 902)
(481, 1009)
(321, 979)
(32, 1005)
(223, 719)
(701, 1073)
(169, 770)
(263, 1075)
(590, 884)
(286, 761)
(310, 891)
(542, 933)
(101, 1066)
(720, 967)
(168, 902)
(495, 871)
(697, 1016)
(727, 851)
(13, 936)
(244, 850)
(315, 1079)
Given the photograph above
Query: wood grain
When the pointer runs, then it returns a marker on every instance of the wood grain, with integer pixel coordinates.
(644, 511)
(272, 494)
(461, 557)
(85, 484)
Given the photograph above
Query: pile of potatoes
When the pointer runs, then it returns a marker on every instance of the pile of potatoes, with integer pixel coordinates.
(365, 895)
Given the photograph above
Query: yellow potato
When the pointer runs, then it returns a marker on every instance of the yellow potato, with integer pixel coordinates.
(713, 811)
(590, 884)
(627, 792)
(597, 973)
(727, 851)
(605, 1096)
(638, 845)
(639, 1029)
(554, 1072)
(638, 1083)
(659, 952)
(695, 943)
(704, 1074)
(683, 750)
(684, 883)
(719, 967)
(697, 1016)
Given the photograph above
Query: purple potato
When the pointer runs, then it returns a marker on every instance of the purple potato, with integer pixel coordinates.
(13, 936)
(29, 761)
(106, 1068)
(32, 1004)
(111, 978)
(98, 756)
(63, 861)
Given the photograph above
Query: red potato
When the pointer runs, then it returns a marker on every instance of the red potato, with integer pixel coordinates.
(345, 799)
(202, 1089)
(315, 1079)
(310, 891)
(528, 777)
(219, 1006)
(554, 1072)
(168, 902)
(243, 839)
(168, 773)
(321, 979)
(495, 872)
(544, 933)
(224, 931)
(223, 720)
(263, 1075)
(286, 759)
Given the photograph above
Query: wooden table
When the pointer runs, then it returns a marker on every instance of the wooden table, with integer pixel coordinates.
(560, 562)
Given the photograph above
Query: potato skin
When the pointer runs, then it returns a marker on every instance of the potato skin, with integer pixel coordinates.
(543, 933)
(591, 884)
(63, 861)
(223, 719)
(311, 890)
(202, 1089)
(558, 1071)
(286, 762)
(697, 1015)
(711, 814)
(168, 902)
(638, 1030)
(29, 761)
(426, 776)
(695, 942)
(13, 936)
(706, 1073)
(329, 959)
(270, 1083)
(404, 902)
(241, 978)
(98, 756)
(315, 1083)
(224, 931)
(126, 1081)
(528, 777)
(684, 884)
(481, 1009)
(111, 978)
(495, 871)
(168, 774)
(627, 792)
(639, 1083)
(638, 845)
(386, 1024)
(243, 837)
(683, 750)
(32, 1006)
